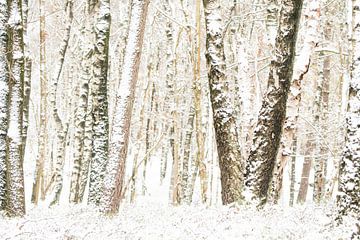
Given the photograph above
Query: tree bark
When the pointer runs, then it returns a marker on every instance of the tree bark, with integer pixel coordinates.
(228, 147)
(15, 196)
(301, 67)
(267, 133)
(100, 104)
(349, 179)
(4, 97)
(119, 137)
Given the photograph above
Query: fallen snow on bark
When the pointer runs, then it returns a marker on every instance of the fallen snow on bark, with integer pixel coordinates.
(153, 220)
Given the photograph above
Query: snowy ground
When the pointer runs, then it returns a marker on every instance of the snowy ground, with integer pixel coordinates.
(153, 220)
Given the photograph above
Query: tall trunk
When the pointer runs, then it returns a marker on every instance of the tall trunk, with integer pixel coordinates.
(99, 103)
(61, 128)
(83, 120)
(40, 162)
(312, 142)
(4, 97)
(228, 147)
(27, 72)
(200, 160)
(320, 165)
(267, 133)
(349, 179)
(301, 67)
(119, 137)
(15, 197)
(187, 154)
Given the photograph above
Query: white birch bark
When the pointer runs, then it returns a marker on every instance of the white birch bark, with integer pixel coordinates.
(100, 103)
(15, 202)
(228, 147)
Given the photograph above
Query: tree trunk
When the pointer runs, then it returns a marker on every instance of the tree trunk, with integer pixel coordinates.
(301, 67)
(267, 133)
(40, 162)
(61, 128)
(15, 198)
(4, 97)
(100, 104)
(349, 179)
(83, 119)
(119, 137)
(228, 147)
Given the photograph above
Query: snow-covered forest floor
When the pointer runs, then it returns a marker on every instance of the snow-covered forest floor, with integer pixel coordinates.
(149, 219)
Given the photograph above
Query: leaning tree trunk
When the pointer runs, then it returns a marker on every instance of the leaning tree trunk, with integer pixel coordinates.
(99, 103)
(231, 166)
(349, 179)
(15, 196)
(61, 128)
(119, 137)
(267, 133)
(301, 67)
(4, 94)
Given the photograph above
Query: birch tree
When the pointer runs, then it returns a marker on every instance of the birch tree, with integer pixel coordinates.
(39, 169)
(349, 179)
(60, 125)
(99, 102)
(228, 148)
(119, 136)
(301, 67)
(271, 118)
(15, 196)
(4, 93)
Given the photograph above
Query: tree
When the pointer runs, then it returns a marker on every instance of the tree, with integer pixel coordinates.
(4, 101)
(349, 176)
(15, 196)
(39, 169)
(60, 126)
(301, 67)
(119, 136)
(271, 118)
(99, 103)
(228, 148)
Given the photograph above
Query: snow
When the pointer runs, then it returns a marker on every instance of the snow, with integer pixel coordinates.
(150, 219)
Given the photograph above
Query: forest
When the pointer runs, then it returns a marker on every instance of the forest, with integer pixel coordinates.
(180, 119)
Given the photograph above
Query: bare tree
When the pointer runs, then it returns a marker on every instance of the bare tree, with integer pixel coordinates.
(4, 101)
(228, 148)
(15, 196)
(267, 133)
(349, 179)
(119, 136)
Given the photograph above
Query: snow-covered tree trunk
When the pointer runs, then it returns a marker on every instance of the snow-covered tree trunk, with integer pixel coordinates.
(119, 136)
(231, 166)
(200, 141)
(15, 196)
(60, 126)
(40, 161)
(99, 103)
(301, 67)
(187, 154)
(320, 166)
(27, 73)
(83, 119)
(4, 97)
(349, 176)
(267, 133)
